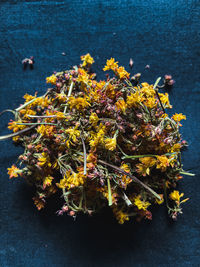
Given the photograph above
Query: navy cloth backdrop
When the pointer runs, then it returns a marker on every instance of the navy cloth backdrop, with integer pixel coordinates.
(163, 34)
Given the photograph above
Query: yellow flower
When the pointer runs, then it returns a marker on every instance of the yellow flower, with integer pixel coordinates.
(148, 161)
(62, 98)
(44, 160)
(161, 200)
(96, 139)
(42, 102)
(51, 79)
(147, 90)
(26, 112)
(15, 138)
(73, 134)
(110, 91)
(47, 181)
(60, 115)
(83, 76)
(78, 103)
(45, 130)
(14, 171)
(164, 98)
(63, 183)
(93, 119)
(13, 125)
(141, 204)
(100, 85)
(120, 215)
(133, 99)
(122, 73)
(121, 105)
(111, 65)
(28, 97)
(178, 117)
(151, 102)
(175, 148)
(87, 60)
(162, 162)
(110, 143)
(125, 179)
(39, 203)
(125, 167)
(145, 165)
(176, 196)
(73, 180)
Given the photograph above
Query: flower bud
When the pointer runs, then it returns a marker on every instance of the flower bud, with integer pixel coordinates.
(131, 62)
(72, 213)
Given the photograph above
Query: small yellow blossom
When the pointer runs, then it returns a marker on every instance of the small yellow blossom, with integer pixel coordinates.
(151, 102)
(141, 204)
(176, 196)
(161, 200)
(178, 117)
(83, 76)
(60, 115)
(175, 148)
(145, 165)
(46, 130)
(147, 90)
(51, 79)
(13, 125)
(79, 103)
(39, 203)
(73, 180)
(47, 181)
(110, 91)
(15, 138)
(110, 143)
(121, 105)
(111, 65)
(97, 138)
(162, 163)
(73, 134)
(87, 60)
(125, 179)
(91, 158)
(26, 112)
(62, 98)
(164, 98)
(14, 171)
(134, 99)
(122, 73)
(28, 97)
(93, 119)
(120, 215)
(44, 160)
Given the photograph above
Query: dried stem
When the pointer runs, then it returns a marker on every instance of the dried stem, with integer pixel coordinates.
(132, 177)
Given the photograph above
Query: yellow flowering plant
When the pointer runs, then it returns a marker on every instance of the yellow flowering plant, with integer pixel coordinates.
(100, 143)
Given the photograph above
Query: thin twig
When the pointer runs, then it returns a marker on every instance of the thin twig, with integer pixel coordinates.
(36, 123)
(7, 110)
(85, 157)
(17, 133)
(157, 94)
(132, 177)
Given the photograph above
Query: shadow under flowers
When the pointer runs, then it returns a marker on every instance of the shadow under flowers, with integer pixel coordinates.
(97, 240)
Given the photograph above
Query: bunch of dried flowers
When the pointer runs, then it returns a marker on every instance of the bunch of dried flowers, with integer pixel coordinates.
(100, 143)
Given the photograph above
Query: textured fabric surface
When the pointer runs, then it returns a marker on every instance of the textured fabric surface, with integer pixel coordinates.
(163, 34)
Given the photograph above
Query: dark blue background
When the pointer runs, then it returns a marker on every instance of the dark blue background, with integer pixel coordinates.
(164, 34)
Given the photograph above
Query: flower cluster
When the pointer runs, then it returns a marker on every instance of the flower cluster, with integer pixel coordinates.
(98, 143)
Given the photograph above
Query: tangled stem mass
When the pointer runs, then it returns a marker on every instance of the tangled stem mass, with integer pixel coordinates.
(100, 143)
